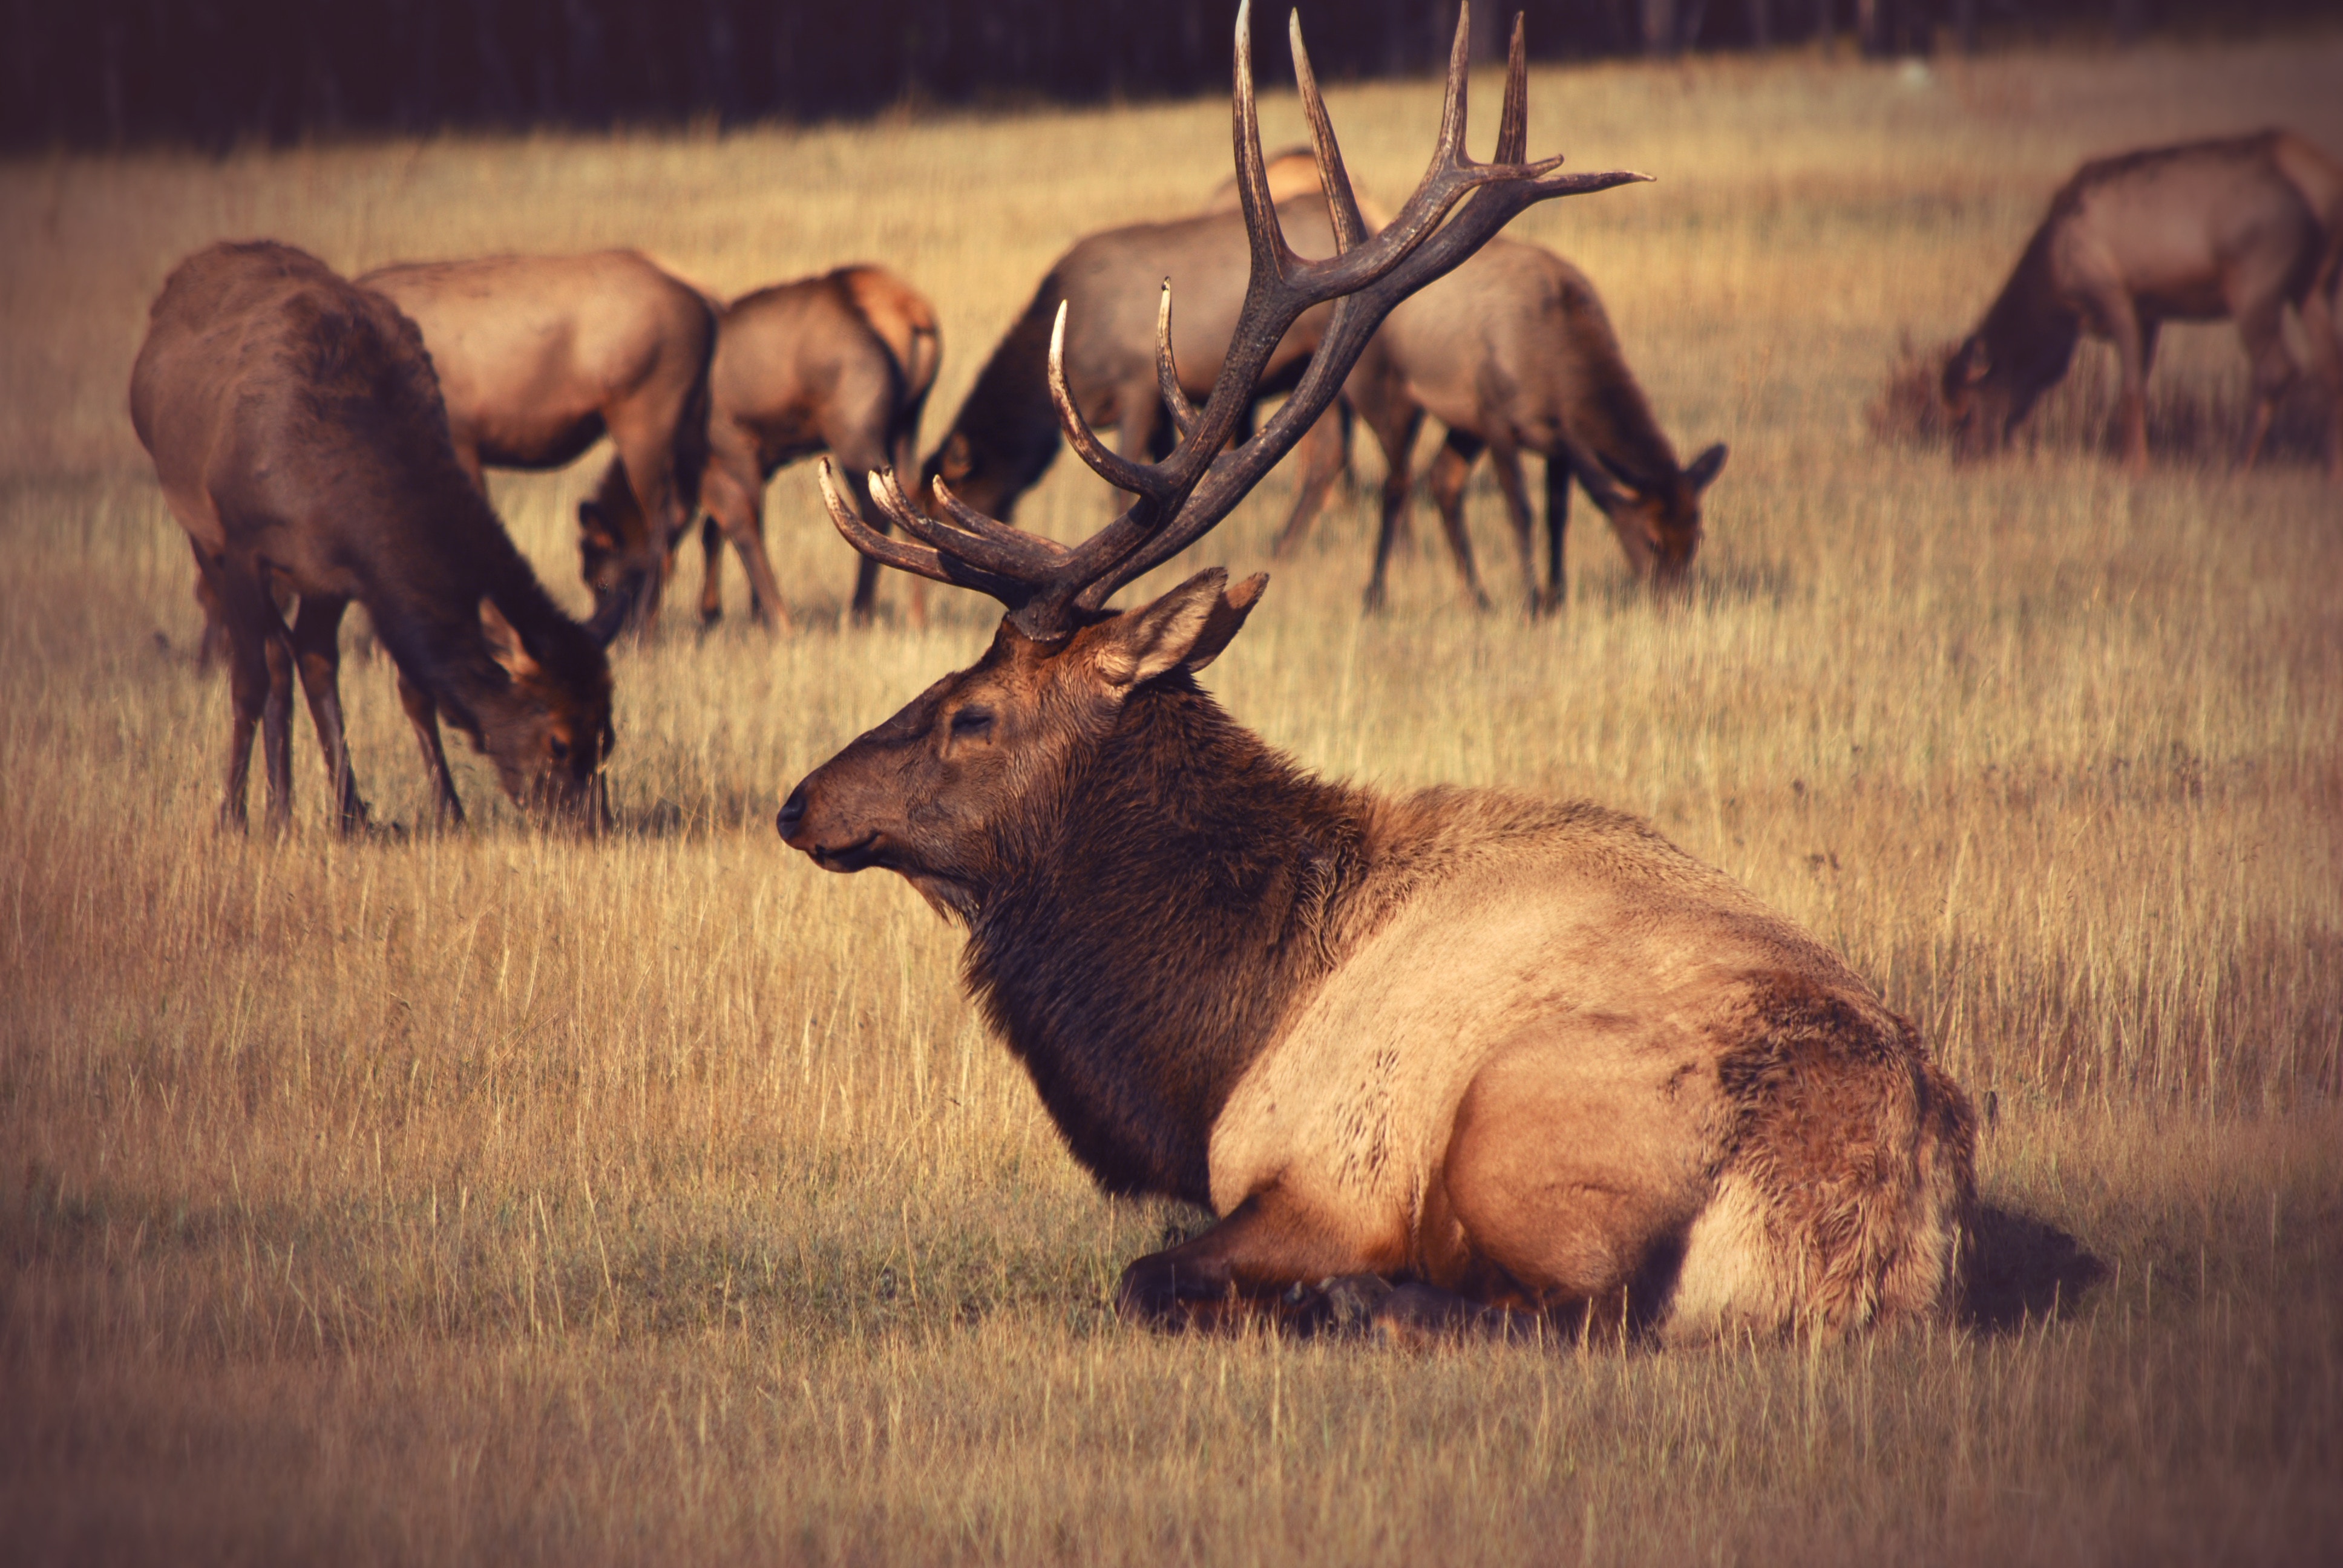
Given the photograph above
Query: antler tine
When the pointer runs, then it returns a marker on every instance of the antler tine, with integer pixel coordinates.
(1109, 465)
(1341, 201)
(1004, 552)
(1365, 284)
(1047, 554)
(919, 560)
(1513, 122)
(1167, 374)
(1051, 589)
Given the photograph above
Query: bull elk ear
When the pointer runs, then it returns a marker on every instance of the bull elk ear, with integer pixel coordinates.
(504, 643)
(1184, 630)
(1702, 471)
(1226, 619)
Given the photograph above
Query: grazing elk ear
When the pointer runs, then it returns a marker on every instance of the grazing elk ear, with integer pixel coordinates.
(504, 642)
(1183, 629)
(594, 525)
(1702, 473)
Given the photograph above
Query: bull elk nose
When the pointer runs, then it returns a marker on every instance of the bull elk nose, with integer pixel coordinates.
(792, 814)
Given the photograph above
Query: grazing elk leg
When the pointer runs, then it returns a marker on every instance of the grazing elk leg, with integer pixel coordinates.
(2323, 331)
(247, 671)
(1234, 1272)
(737, 502)
(1450, 469)
(1397, 439)
(2260, 322)
(1557, 523)
(447, 810)
(2112, 306)
(711, 573)
(646, 445)
(317, 654)
(1325, 451)
(1507, 459)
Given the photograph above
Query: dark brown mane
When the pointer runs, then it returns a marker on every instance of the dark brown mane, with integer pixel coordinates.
(1168, 906)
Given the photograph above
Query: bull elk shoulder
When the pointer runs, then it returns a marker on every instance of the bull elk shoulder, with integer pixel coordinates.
(1519, 1060)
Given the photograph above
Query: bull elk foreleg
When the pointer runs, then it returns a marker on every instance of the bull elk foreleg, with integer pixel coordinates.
(1243, 1269)
(447, 810)
(317, 654)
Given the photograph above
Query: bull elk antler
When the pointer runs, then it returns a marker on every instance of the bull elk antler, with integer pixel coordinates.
(1053, 589)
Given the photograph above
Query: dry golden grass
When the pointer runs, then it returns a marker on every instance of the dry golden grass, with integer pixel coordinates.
(495, 1198)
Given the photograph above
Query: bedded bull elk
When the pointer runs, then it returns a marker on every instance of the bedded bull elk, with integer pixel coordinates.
(1513, 353)
(841, 363)
(539, 356)
(1514, 1055)
(296, 429)
(2239, 228)
(1005, 436)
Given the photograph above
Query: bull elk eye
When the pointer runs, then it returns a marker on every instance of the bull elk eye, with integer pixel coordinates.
(972, 724)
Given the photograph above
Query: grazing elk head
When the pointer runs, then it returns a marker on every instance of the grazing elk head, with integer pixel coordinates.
(1656, 517)
(1992, 380)
(940, 792)
(547, 728)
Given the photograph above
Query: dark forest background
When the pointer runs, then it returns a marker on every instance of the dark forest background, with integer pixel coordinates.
(212, 73)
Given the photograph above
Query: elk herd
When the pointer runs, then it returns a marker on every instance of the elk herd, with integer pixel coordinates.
(1447, 1062)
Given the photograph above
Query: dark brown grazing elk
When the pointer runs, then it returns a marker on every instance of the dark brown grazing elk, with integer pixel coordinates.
(1514, 354)
(1005, 436)
(540, 355)
(842, 363)
(2239, 228)
(296, 429)
(1511, 1055)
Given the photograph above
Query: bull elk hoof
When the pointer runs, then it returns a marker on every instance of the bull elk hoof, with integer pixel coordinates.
(1352, 1301)
(1418, 1317)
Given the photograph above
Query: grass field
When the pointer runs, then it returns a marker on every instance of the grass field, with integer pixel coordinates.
(499, 1198)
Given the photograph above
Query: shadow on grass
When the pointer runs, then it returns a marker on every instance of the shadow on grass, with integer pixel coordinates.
(2022, 1269)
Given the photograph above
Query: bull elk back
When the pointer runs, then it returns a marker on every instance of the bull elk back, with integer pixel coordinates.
(297, 431)
(1511, 1058)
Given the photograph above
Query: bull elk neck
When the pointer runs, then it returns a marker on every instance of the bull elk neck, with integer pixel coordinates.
(1456, 1058)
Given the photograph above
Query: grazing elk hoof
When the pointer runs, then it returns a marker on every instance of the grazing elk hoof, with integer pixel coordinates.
(1372, 603)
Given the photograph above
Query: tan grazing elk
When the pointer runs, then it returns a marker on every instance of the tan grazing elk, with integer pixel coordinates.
(1513, 353)
(298, 432)
(1522, 1057)
(1005, 436)
(539, 356)
(841, 363)
(2239, 228)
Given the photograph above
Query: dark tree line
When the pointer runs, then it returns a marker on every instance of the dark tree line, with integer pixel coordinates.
(103, 73)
